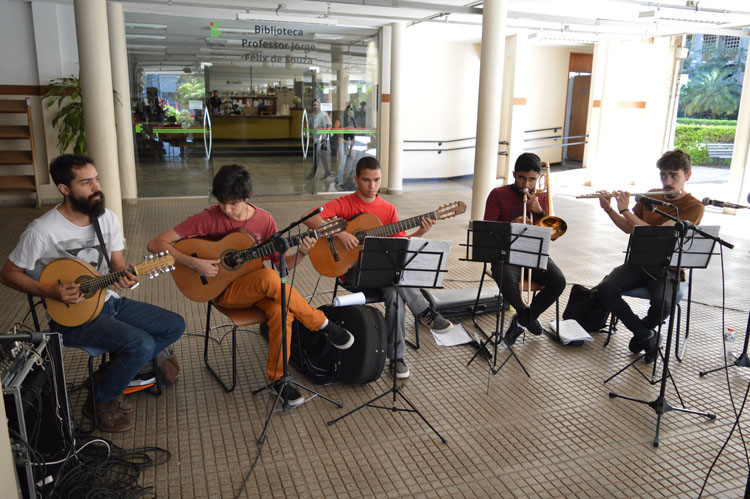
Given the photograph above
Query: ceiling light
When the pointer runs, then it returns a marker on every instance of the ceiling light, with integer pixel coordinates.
(563, 37)
(251, 16)
(686, 16)
(146, 25)
(132, 36)
(327, 36)
(146, 47)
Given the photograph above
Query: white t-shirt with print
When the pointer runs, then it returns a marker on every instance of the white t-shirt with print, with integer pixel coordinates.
(52, 236)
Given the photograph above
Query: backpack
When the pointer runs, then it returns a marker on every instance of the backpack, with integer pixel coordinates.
(584, 307)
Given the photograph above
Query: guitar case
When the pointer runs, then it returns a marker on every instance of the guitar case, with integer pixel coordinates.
(363, 362)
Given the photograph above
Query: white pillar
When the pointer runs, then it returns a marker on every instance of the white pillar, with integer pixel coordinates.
(384, 116)
(395, 139)
(123, 118)
(490, 96)
(98, 103)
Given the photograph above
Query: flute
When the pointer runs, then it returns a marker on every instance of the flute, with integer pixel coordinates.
(597, 195)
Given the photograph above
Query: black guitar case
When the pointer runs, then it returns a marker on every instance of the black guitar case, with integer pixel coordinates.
(361, 363)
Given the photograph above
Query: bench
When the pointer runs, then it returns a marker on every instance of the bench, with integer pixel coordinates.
(720, 150)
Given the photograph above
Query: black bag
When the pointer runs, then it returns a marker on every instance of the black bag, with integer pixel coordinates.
(584, 306)
(361, 363)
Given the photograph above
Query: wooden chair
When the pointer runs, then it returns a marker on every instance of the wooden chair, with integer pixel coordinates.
(239, 317)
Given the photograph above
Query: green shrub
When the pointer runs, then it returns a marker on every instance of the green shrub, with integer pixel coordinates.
(693, 139)
(706, 122)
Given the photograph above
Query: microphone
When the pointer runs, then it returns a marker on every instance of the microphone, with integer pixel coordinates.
(722, 204)
(649, 203)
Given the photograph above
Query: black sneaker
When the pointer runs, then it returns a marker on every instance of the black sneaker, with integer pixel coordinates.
(524, 319)
(513, 332)
(436, 322)
(651, 345)
(293, 397)
(635, 345)
(400, 369)
(338, 336)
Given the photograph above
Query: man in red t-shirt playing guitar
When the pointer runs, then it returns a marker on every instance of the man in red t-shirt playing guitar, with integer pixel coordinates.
(367, 200)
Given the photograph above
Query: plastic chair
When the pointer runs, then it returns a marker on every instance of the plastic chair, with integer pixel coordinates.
(239, 317)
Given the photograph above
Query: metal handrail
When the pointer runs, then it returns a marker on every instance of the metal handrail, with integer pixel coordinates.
(439, 142)
(554, 129)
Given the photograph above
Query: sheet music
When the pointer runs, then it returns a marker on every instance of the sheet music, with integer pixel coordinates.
(531, 241)
(456, 336)
(697, 249)
(427, 260)
(571, 331)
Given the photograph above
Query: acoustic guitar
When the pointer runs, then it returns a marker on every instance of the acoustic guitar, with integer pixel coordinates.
(93, 285)
(238, 255)
(330, 258)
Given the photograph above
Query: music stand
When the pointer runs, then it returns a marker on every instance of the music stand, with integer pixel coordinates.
(386, 261)
(655, 239)
(503, 242)
(283, 244)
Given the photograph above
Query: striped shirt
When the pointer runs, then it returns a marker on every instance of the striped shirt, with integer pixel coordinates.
(505, 204)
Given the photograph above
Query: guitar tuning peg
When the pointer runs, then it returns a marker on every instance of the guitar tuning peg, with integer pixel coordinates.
(150, 275)
(166, 252)
(150, 257)
(161, 253)
(167, 269)
(171, 268)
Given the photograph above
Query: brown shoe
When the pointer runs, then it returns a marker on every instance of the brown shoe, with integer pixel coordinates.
(124, 405)
(110, 419)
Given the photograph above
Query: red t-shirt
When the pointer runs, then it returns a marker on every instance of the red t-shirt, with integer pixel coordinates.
(213, 224)
(505, 204)
(351, 205)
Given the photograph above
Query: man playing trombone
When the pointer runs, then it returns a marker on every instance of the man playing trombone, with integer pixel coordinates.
(506, 204)
(674, 171)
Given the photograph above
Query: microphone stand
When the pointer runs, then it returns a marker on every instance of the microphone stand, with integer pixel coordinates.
(283, 244)
(660, 405)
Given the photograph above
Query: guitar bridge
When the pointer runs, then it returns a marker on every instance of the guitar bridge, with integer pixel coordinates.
(336, 257)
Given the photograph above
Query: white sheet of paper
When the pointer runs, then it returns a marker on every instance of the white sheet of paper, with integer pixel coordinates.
(351, 299)
(697, 250)
(570, 330)
(524, 251)
(426, 261)
(456, 336)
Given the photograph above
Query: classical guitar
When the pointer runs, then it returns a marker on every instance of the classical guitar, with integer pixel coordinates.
(330, 258)
(93, 286)
(238, 255)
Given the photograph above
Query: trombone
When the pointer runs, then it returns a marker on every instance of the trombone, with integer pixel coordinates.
(557, 224)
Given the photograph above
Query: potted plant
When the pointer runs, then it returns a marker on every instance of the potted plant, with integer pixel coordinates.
(65, 93)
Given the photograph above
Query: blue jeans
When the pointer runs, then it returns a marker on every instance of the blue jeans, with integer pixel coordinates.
(132, 332)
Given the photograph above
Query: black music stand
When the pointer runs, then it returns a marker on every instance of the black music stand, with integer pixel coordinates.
(283, 244)
(383, 262)
(654, 246)
(494, 242)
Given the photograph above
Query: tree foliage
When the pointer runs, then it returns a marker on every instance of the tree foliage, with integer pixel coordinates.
(714, 93)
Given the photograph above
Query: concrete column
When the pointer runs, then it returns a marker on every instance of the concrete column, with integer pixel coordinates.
(98, 103)
(123, 118)
(384, 116)
(739, 178)
(490, 96)
(396, 139)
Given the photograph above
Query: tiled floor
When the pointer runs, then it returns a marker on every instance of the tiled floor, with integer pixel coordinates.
(554, 434)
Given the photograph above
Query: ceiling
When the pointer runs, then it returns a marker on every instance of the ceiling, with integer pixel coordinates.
(177, 32)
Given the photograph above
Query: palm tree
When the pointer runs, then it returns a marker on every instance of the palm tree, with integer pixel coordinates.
(712, 92)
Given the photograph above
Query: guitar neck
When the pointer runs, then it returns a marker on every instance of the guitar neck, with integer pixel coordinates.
(104, 281)
(268, 248)
(396, 227)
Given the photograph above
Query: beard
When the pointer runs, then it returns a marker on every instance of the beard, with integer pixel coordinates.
(90, 206)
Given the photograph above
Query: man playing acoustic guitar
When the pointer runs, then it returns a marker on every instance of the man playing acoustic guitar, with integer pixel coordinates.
(133, 332)
(367, 200)
(232, 187)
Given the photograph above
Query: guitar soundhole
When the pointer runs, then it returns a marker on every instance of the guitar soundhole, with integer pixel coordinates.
(229, 260)
(84, 289)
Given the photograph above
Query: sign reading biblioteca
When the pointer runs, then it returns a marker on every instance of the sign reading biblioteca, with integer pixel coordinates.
(297, 52)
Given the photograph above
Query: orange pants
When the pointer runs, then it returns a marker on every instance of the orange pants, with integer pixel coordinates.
(262, 289)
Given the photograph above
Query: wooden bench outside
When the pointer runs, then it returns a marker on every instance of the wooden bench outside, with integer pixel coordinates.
(720, 150)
